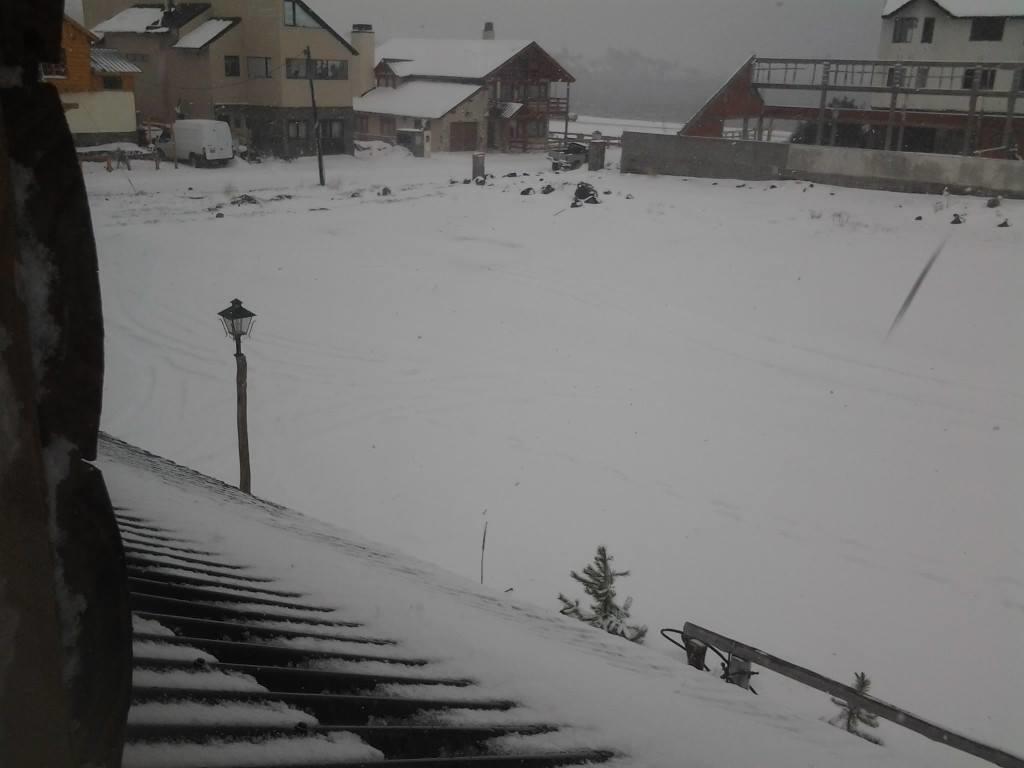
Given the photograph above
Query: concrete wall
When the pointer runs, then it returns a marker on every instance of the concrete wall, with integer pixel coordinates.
(905, 171)
(711, 158)
(872, 169)
(101, 112)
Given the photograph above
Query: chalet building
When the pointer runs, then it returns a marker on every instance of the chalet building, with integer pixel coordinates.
(464, 94)
(975, 31)
(244, 62)
(96, 86)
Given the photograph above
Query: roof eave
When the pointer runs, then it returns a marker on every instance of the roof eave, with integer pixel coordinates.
(328, 27)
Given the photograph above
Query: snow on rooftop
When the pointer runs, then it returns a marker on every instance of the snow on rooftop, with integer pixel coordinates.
(138, 20)
(419, 98)
(205, 33)
(447, 58)
(967, 8)
(111, 60)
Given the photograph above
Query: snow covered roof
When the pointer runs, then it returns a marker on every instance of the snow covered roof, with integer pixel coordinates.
(206, 33)
(109, 60)
(419, 98)
(471, 59)
(966, 8)
(138, 20)
(510, 109)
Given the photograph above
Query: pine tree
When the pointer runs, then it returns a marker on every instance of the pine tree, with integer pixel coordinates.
(851, 716)
(598, 582)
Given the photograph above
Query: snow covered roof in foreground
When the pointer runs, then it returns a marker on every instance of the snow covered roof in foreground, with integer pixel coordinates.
(419, 98)
(447, 58)
(607, 691)
(966, 8)
(137, 20)
(205, 33)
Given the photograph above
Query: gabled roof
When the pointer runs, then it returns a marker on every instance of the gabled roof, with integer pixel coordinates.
(965, 8)
(109, 60)
(419, 98)
(74, 24)
(334, 33)
(206, 33)
(151, 19)
(467, 59)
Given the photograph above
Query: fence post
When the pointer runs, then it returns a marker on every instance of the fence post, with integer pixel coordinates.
(595, 156)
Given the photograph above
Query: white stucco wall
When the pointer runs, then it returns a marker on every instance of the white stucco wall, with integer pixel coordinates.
(100, 112)
(951, 42)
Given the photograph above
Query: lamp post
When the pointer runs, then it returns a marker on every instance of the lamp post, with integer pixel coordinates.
(237, 321)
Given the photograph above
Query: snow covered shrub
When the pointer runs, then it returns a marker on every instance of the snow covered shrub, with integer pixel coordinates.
(598, 582)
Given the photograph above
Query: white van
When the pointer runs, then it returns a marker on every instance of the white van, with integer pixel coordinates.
(201, 142)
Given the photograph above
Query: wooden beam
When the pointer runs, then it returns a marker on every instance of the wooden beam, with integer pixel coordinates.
(846, 693)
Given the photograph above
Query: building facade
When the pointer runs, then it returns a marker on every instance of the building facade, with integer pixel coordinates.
(250, 63)
(96, 87)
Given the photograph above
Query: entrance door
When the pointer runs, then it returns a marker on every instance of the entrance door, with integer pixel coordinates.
(463, 137)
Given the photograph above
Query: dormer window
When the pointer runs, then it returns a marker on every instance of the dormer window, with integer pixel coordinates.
(296, 15)
(988, 29)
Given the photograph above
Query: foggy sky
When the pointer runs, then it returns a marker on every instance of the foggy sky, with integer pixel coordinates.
(712, 36)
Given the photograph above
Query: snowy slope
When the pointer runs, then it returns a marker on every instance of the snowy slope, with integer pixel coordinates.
(606, 691)
(698, 377)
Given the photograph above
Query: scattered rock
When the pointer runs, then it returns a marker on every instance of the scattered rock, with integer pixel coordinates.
(527, 191)
(919, 218)
(740, 186)
(511, 175)
(480, 180)
(384, 192)
(994, 202)
(244, 200)
(608, 192)
(275, 198)
(773, 186)
(1004, 224)
(585, 193)
(453, 181)
(219, 215)
(524, 174)
(547, 189)
(357, 193)
(467, 181)
(957, 219)
(714, 183)
(629, 196)
(319, 209)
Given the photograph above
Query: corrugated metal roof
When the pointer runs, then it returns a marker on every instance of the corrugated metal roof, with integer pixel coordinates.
(205, 33)
(109, 60)
(966, 8)
(509, 109)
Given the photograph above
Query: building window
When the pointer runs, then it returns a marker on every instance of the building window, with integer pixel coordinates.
(332, 129)
(903, 30)
(319, 69)
(986, 79)
(232, 66)
(928, 30)
(363, 123)
(58, 70)
(922, 78)
(894, 78)
(988, 29)
(296, 129)
(296, 15)
(111, 83)
(258, 67)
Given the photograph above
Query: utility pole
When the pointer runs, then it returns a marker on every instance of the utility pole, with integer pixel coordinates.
(316, 119)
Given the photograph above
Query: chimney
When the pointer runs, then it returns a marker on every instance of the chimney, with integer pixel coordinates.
(489, 30)
(364, 41)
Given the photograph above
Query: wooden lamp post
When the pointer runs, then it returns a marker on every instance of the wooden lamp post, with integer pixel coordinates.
(238, 322)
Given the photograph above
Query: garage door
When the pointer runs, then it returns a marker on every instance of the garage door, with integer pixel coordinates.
(463, 137)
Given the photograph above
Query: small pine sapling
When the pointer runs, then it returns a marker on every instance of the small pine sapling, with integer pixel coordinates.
(598, 580)
(851, 716)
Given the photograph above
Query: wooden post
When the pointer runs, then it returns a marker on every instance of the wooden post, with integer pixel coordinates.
(825, 71)
(897, 81)
(745, 131)
(971, 110)
(479, 165)
(1011, 107)
(759, 129)
(565, 137)
(316, 119)
(595, 156)
(848, 694)
(244, 477)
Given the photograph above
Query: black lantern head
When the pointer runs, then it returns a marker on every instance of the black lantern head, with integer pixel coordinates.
(237, 320)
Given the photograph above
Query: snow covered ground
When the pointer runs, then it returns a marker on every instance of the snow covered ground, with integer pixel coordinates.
(697, 376)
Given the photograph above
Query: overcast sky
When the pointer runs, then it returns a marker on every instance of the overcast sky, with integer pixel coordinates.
(714, 36)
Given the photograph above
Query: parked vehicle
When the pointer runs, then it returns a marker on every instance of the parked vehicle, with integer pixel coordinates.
(200, 142)
(571, 157)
